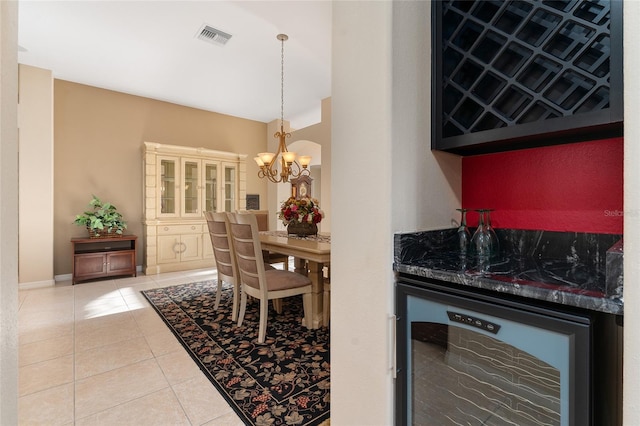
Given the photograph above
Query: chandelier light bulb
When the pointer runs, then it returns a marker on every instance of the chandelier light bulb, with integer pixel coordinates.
(289, 157)
(266, 157)
(304, 161)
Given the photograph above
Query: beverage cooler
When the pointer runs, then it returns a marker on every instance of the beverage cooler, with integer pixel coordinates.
(467, 357)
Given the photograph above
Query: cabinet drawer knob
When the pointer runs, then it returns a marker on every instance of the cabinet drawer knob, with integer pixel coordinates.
(193, 228)
(166, 228)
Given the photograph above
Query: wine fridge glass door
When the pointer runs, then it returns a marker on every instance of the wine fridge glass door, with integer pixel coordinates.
(466, 361)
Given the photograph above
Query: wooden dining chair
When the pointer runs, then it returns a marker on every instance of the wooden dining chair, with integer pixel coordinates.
(218, 224)
(259, 282)
(262, 217)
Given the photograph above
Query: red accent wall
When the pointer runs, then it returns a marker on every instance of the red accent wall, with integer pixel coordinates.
(574, 187)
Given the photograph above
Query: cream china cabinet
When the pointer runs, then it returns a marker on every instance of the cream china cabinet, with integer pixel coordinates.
(180, 184)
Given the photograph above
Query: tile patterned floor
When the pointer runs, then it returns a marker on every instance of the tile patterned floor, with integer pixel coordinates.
(96, 353)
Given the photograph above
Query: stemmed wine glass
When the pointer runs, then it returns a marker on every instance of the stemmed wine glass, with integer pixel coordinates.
(464, 236)
(480, 243)
(485, 241)
(494, 245)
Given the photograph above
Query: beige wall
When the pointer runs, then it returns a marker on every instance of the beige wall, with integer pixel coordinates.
(98, 150)
(631, 391)
(35, 170)
(387, 180)
(8, 213)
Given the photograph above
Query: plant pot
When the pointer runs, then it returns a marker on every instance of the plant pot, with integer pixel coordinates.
(93, 233)
(302, 228)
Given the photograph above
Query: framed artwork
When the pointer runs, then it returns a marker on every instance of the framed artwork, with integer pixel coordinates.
(253, 201)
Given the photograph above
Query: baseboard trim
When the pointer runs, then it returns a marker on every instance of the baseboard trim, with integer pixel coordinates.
(36, 284)
(69, 277)
(63, 277)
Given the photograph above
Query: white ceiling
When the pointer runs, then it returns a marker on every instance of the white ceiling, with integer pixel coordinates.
(149, 48)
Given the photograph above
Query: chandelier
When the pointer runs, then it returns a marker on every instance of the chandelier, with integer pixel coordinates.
(268, 161)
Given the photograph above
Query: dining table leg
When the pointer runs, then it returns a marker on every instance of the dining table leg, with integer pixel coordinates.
(314, 270)
(300, 266)
(317, 292)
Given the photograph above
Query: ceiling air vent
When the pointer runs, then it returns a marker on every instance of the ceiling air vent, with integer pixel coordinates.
(213, 36)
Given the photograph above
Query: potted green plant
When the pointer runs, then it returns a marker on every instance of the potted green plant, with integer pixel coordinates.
(103, 221)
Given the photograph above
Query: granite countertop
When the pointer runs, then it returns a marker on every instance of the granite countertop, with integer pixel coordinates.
(575, 269)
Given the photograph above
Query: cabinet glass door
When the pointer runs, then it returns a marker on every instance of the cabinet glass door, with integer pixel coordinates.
(167, 186)
(229, 188)
(211, 187)
(191, 189)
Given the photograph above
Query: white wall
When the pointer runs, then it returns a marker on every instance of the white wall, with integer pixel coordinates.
(631, 386)
(8, 213)
(35, 172)
(385, 179)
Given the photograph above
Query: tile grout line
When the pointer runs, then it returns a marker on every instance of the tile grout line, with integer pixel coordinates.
(155, 356)
(81, 297)
(73, 398)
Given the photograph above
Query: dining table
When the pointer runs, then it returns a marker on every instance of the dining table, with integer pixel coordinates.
(312, 254)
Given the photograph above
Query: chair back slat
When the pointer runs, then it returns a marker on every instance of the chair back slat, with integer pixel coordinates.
(220, 240)
(262, 217)
(246, 242)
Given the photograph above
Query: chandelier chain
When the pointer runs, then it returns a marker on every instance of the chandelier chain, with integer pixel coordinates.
(282, 81)
(291, 165)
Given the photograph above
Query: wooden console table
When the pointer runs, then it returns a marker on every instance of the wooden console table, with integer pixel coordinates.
(103, 257)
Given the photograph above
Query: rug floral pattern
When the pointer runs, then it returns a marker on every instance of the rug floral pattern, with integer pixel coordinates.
(284, 381)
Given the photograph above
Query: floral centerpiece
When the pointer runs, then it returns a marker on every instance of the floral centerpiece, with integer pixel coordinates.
(301, 216)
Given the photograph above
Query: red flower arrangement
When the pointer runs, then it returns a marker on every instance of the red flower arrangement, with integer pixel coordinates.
(302, 210)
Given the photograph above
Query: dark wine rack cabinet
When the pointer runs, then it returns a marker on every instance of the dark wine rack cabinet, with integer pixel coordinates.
(519, 74)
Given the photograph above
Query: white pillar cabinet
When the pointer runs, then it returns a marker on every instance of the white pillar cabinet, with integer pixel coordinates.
(180, 184)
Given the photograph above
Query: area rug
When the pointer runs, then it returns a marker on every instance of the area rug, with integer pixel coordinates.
(284, 381)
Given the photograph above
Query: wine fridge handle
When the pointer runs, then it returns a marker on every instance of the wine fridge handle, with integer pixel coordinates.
(393, 320)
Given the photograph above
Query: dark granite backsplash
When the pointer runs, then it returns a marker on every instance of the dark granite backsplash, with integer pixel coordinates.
(577, 269)
(614, 272)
